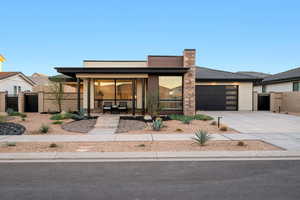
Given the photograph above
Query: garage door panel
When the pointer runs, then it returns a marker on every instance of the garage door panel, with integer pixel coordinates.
(216, 97)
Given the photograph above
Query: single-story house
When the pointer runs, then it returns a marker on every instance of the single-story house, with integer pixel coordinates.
(288, 81)
(279, 92)
(175, 83)
(15, 82)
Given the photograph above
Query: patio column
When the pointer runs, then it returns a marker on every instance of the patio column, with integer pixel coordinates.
(143, 96)
(89, 97)
(133, 97)
(78, 94)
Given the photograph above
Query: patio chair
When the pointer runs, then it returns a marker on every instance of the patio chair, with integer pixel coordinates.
(107, 106)
(123, 106)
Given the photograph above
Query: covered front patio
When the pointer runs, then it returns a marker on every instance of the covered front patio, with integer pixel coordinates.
(126, 90)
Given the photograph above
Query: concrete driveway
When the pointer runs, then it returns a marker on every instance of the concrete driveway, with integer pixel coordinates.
(258, 122)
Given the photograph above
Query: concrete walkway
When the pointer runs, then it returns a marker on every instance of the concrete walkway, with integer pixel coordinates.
(105, 124)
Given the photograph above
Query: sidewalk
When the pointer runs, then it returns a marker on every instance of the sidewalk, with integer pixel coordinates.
(148, 156)
(286, 141)
(118, 137)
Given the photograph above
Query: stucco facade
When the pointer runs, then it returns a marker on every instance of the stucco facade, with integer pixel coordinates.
(96, 63)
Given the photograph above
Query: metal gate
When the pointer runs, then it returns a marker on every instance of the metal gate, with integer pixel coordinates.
(12, 102)
(263, 102)
(31, 103)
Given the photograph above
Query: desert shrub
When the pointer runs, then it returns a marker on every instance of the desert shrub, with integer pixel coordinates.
(57, 122)
(157, 124)
(175, 117)
(10, 144)
(57, 117)
(53, 145)
(11, 112)
(213, 123)
(79, 116)
(141, 145)
(241, 143)
(201, 137)
(203, 117)
(223, 128)
(2, 118)
(23, 116)
(44, 129)
(178, 130)
(186, 119)
(67, 115)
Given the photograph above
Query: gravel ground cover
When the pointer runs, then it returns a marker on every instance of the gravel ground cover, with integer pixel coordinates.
(170, 146)
(170, 126)
(34, 121)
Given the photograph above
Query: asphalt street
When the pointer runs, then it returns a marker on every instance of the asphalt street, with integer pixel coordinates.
(151, 180)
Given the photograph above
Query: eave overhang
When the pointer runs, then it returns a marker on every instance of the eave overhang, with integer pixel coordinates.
(72, 71)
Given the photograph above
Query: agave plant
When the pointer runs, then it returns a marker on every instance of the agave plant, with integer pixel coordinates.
(201, 137)
(157, 124)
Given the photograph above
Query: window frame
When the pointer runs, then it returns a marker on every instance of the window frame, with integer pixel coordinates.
(296, 86)
(172, 100)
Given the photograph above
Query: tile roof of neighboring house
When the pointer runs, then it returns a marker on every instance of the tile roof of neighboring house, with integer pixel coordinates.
(203, 73)
(293, 74)
(39, 79)
(255, 74)
(4, 75)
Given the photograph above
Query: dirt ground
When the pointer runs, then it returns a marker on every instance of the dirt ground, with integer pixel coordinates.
(171, 146)
(173, 126)
(34, 121)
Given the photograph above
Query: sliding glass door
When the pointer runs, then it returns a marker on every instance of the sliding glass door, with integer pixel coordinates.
(114, 91)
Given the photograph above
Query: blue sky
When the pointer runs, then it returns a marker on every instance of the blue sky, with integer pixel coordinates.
(256, 35)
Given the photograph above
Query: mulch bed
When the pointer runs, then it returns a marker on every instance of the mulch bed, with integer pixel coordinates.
(81, 126)
(126, 125)
(9, 128)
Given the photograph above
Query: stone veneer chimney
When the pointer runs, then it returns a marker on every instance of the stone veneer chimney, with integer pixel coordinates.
(189, 100)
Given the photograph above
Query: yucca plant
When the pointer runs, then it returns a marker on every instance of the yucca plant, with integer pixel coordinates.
(157, 124)
(201, 137)
(44, 129)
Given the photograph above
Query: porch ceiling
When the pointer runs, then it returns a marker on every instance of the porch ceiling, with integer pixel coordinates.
(72, 71)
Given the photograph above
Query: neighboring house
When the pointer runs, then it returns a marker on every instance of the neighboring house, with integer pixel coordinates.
(288, 81)
(40, 79)
(15, 82)
(43, 83)
(174, 81)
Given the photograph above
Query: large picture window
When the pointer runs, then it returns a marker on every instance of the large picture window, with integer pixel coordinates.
(123, 89)
(104, 89)
(170, 92)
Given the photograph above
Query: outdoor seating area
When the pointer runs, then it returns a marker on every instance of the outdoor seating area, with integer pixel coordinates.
(108, 106)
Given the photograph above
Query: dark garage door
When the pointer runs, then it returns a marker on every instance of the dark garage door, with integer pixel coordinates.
(216, 97)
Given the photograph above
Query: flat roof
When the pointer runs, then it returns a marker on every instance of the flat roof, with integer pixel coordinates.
(72, 71)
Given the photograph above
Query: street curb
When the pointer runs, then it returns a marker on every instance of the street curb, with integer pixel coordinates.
(149, 156)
